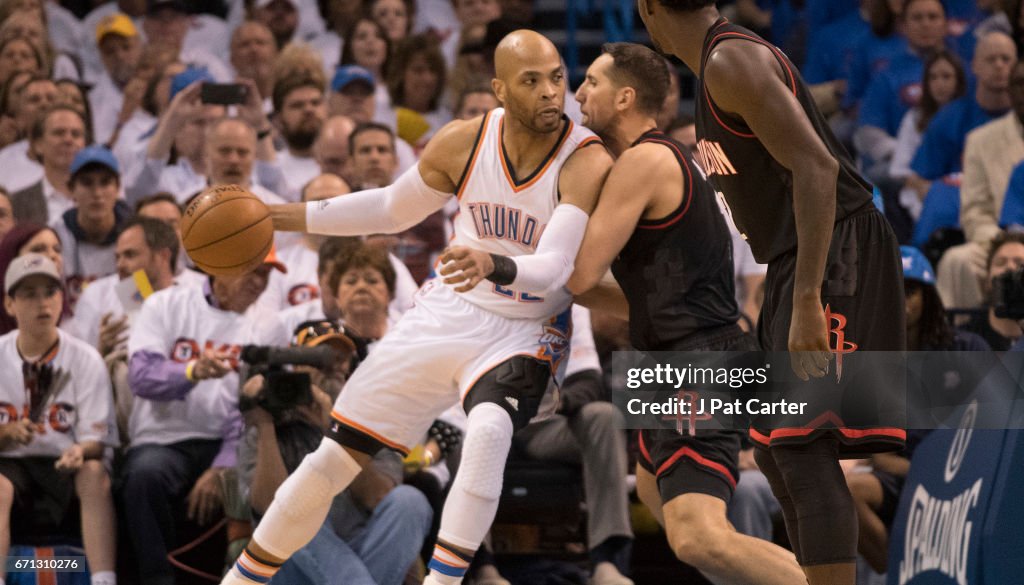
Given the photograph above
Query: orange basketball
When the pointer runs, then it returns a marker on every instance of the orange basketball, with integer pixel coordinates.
(227, 230)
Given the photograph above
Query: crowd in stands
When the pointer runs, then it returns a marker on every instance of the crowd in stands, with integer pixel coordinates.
(122, 387)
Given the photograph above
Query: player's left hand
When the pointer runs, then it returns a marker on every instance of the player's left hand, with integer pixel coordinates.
(809, 352)
(205, 498)
(465, 267)
(71, 459)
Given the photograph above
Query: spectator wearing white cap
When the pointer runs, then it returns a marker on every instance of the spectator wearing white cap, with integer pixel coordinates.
(55, 423)
(89, 230)
(56, 137)
(120, 48)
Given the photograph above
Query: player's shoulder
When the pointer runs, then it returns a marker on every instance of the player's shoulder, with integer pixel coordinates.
(647, 159)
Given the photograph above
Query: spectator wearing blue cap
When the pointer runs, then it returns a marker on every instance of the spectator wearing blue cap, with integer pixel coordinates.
(928, 327)
(55, 138)
(89, 230)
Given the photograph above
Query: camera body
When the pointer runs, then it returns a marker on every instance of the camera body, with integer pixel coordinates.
(282, 390)
(1008, 295)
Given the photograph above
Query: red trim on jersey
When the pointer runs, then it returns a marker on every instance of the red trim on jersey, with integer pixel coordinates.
(700, 460)
(687, 188)
(476, 152)
(375, 436)
(538, 173)
(775, 51)
(848, 433)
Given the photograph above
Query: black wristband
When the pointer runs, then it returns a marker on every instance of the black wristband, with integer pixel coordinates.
(504, 270)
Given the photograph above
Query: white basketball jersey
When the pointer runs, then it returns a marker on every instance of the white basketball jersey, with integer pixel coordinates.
(504, 214)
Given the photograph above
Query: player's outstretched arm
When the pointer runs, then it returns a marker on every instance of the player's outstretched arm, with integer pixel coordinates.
(747, 80)
(420, 191)
(550, 266)
(629, 191)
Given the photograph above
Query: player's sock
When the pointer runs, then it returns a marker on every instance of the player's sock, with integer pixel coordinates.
(448, 565)
(473, 500)
(103, 578)
(299, 509)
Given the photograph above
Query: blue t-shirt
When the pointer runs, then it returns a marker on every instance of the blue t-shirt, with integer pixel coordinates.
(873, 56)
(833, 49)
(961, 15)
(824, 12)
(942, 146)
(892, 94)
(1013, 204)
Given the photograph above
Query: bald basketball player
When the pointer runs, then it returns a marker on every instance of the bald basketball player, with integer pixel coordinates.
(806, 212)
(526, 183)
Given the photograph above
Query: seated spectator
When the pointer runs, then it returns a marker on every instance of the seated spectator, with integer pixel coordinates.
(9, 131)
(57, 423)
(416, 83)
(874, 52)
(374, 529)
(73, 94)
(231, 147)
(281, 17)
(352, 95)
(31, 25)
(876, 493)
(167, 23)
(120, 49)
(944, 81)
(474, 16)
(475, 101)
(183, 349)
(831, 52)
(6, 213)
(587, 429)
(331, 147)
(26, 238)
(253, 52)
(101, 318)
(148, 95)
(299, 113)
(374, 165)
(104, 314)
(396, 16)
(57, 136)
(34, 96)
(89, 230)
(332, 251)
(19, 55)
(367, 45)
(300, 284)
(990, 155)
(1006, 255)
(365, 283)
(894, 91)
(942, 145)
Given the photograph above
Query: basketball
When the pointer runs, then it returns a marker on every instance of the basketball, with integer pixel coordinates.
(227, 230)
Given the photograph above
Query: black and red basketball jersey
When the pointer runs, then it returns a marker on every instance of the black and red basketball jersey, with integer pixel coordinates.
(677, 271)
(759, 190)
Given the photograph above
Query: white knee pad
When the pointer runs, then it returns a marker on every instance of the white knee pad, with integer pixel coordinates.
(303, 500)
(488, 439)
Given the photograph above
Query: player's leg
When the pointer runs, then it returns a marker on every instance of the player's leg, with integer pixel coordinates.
(647, 491)
(701, 536)
(826, 520)
(502, 400)
(389, 402)
(92, 484)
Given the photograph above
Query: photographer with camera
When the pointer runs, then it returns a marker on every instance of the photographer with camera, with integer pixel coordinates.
(1000, 325)
(376, 527)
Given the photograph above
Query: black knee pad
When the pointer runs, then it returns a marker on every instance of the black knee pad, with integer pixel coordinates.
(516, 384)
